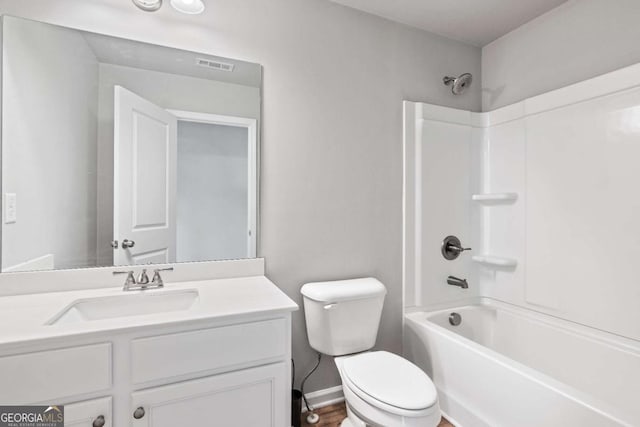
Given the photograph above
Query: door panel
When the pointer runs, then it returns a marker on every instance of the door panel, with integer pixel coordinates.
(252, 397)
(150, 183)
(145, 163)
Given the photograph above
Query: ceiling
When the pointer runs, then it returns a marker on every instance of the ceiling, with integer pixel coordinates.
(477, 22)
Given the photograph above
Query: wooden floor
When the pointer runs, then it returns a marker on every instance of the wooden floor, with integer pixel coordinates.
(332, 416)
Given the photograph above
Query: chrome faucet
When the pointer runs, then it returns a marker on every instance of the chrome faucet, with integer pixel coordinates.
(454, 281)
(143, 279)
(142, 282)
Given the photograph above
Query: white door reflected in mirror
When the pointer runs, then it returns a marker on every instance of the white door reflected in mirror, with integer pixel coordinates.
(145, 181)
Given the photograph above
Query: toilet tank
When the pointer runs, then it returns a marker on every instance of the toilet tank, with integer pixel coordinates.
(343, 316)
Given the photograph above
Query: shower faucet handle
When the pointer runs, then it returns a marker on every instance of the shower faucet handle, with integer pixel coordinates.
(458, 248)
(452, 248)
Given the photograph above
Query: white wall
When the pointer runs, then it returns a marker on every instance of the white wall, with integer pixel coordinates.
(502, 226)
(571, 155)
(441, 160)
(331, 162)
(169, 91)
(212, 207)
(576, 41)
(49, 128)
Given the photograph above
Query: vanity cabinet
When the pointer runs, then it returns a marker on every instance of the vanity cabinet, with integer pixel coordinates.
(250, 397)
(231, 374)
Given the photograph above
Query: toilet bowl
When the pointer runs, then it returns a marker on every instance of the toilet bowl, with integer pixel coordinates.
(380, 388)
(383, 389)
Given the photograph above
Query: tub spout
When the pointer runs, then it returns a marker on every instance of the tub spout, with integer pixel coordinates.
(454, 281)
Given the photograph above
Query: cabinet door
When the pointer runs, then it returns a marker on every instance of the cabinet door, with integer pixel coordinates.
(254, 397)
(88, 413)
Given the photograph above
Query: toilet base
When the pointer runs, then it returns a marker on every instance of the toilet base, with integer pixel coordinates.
(352, 419)
(347, 423)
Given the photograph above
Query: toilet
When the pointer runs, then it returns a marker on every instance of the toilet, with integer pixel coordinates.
(380, 388)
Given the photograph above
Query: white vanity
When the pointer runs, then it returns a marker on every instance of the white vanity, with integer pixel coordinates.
(204, 353)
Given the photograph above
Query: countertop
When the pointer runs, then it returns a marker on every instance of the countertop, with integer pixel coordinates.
(24, 318)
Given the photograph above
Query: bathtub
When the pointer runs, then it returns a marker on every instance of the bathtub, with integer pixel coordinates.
(504, 366)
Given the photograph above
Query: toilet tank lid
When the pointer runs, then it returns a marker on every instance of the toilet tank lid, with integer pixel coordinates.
(344, 290)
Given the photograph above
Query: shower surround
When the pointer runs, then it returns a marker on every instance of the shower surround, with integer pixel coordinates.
(545, 193)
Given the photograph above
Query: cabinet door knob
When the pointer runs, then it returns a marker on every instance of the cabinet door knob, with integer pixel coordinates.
(99, 422)
(138, 413)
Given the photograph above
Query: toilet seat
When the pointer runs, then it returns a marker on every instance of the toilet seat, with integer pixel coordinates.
(390, 383)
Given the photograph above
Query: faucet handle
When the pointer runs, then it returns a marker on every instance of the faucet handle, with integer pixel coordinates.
(458, 248)
(157, 279)
(131, 279)
(451, 248)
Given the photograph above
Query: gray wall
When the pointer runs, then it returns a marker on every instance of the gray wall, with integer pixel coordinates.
(574, 42)
(213, 198)
(50, 94)
(331, 171)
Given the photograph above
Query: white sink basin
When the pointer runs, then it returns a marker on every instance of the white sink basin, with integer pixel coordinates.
(126, 305)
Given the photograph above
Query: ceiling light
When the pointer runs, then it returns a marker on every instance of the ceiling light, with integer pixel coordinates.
(192, 7)
(148, 5)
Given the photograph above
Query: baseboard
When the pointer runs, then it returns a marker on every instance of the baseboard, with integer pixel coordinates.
(325, 397)
(450, 419)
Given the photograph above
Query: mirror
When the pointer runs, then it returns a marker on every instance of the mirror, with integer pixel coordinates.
(117, 152)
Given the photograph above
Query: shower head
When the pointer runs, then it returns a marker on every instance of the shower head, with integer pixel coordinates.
(458, 84)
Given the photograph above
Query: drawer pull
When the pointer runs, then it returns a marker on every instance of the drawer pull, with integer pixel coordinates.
(99, 422)
(138, 413)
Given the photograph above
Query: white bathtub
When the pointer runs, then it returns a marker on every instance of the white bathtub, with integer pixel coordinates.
(509, 367)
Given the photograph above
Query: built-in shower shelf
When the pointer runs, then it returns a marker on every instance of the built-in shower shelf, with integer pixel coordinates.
(495, 198)
(495, 261)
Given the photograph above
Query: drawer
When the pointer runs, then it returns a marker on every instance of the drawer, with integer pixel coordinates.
(84, 414)
(45, 376)
(183, 354)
